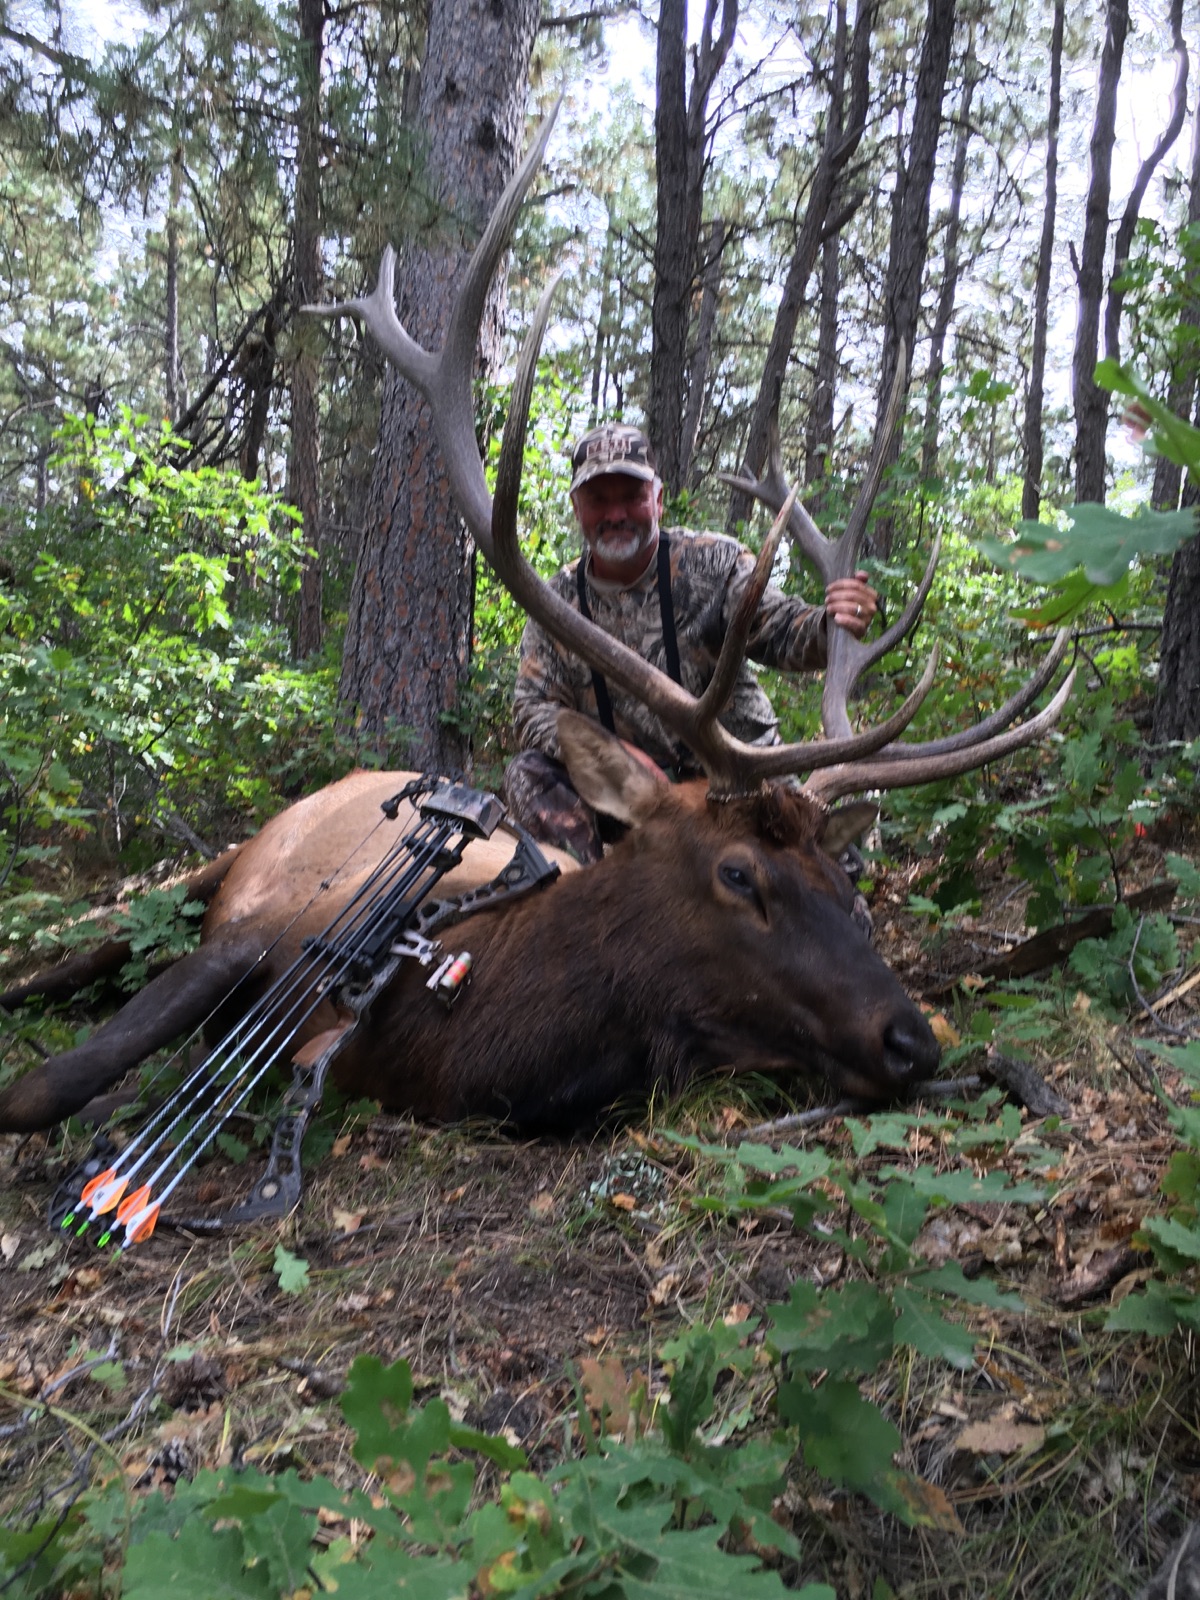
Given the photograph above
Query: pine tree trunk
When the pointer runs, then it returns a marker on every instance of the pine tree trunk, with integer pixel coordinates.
(171, 383)
(706, 322)
(1091, 402)
(408, 635)
(304, 463)
(910, 232)
(950, 267)
(1168, 478)
(681, 137)
(818, 435)
(1031, 487)
(1177, 704)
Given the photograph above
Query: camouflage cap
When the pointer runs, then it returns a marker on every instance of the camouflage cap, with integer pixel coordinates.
(613, 447)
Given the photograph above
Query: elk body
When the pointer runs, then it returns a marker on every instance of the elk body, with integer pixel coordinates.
(717, 934)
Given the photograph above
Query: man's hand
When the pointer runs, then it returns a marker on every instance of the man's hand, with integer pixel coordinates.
(851, 603)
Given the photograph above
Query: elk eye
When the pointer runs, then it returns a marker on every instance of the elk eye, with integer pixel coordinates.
(738, 880)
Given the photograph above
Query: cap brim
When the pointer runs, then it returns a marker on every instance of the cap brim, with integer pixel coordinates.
(600, 469)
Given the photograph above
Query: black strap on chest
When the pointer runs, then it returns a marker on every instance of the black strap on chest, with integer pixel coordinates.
(666, 610)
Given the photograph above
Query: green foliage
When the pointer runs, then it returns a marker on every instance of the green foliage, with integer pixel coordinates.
(1173, 1301)
(665, 1514)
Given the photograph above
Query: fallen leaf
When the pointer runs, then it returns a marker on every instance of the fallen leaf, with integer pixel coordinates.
(943, 1031)
(454, 1195)
(738, 1313)
(597, 1336)
(665, 1288)
(370, 1162)
(10, 1243)
(341, 1144)
(542, 1205)
(347, 1221)
(999, 1436)
(38, 1258)
(624, 1202)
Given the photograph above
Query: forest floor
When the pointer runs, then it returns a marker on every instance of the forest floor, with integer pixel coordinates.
(514, 1276)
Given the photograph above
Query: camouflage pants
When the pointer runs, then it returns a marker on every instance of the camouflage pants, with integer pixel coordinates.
(539, 795)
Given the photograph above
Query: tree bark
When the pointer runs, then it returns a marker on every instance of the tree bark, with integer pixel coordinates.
(1168, 478)
(304, 463)
(706, 322)
(843, 133)
(1031, 487)
(681, 139)
(409, 629)
(950, 266)
(1129, 217)
(1091, 402)
(818, 435)
(1177, 703)
(910, 233)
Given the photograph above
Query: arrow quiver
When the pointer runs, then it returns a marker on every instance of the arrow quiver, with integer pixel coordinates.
(117, 1197)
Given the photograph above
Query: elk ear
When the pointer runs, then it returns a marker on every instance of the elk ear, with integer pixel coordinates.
(611, 777)
(847, 825)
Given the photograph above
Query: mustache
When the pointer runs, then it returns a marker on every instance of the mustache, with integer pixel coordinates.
(623, 526)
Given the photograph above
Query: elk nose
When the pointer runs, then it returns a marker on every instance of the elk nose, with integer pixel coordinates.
(910, 1052)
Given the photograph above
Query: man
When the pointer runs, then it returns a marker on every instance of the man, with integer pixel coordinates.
(668, 594)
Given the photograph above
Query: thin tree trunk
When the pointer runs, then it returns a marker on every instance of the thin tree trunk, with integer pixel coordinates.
(1091, 402)
(1031, 488)
(1129, 218)
(681, 135)
(950, 267)
(710, 297)
(1168, 478)
(910, 235)
(818, 436)
(843, 133)
(171, 383)
(304, 463)
(408, 635)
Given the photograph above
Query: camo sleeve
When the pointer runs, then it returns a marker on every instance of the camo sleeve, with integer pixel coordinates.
(788, 633)
(548, 679)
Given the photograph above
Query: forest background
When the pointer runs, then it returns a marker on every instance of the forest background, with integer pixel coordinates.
(229, 568)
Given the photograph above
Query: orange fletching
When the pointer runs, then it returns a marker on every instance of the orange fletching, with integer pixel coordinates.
(106, 1198)
(93, 1184)
(133, 1203)
(141, 1225)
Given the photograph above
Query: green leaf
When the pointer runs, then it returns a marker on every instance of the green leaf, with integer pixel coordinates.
(923, 1328)
(1103, 542)
(950, 1279)
(291, 1271)
(375, 1403)
(1152, 1312)
(1177, 1236)
(843, 1436)
(833, 1330)
(1173, 437)
(963, 1187)
(199, 1563)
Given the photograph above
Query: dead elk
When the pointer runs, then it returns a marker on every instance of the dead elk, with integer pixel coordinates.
(717, 935)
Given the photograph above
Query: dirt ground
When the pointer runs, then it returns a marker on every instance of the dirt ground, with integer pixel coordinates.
(496, 1267)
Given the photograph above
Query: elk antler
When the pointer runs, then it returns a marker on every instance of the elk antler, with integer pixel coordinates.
(896, 765)
(445, 381)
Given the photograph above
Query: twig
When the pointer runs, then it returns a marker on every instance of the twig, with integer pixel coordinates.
(935, 1089)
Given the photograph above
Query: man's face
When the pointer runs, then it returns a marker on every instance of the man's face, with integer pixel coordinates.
(619, 517)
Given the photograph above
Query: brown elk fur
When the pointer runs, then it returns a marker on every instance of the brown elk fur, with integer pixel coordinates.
(716, 935)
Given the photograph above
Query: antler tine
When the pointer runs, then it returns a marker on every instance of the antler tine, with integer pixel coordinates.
(903, 772)
(999, 719)
(444, 378)
(665, 698)
(733, 647)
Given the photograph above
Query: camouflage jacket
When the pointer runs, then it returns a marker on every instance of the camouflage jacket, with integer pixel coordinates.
(709, 573)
